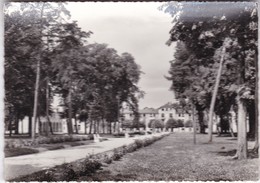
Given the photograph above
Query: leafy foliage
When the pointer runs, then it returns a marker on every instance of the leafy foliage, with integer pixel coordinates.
(199, 41)
(92, 79)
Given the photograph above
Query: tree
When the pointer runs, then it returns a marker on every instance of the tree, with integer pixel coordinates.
(19, 63)
(202, 37)
(215, 91)
(39, 17)
(180, 123)
(155, 123)
(68, 62)
(171, 123)
(188, 123)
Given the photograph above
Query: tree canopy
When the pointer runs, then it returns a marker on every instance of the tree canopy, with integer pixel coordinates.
(200, 36)
(92, 80)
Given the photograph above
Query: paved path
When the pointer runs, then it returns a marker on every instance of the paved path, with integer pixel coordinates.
(27, 164)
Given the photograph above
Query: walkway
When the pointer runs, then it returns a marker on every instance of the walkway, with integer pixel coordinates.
(27, 164)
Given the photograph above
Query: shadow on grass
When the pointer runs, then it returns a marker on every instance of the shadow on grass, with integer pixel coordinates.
(251, 154)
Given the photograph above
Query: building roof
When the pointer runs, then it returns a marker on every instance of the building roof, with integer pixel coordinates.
(145, 110)
(148, 110)
(169, 105)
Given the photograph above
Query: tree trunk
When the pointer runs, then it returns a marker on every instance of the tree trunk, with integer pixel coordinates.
(201, 121)
(257, 86)
(39, 126)
(103, 125)
(10, 125)
(98, 121)
(36, 92)
(194, 125)
(76, 125)
(252, 120)
(231, 128)
(30, 126)
(16, 131)
(215, 91)
(69, 123)
(22, 127)
(110, 127)
(242, 141)
(90, 126)
(114, 129)
(118, 127)
(257, 117)
(38, 70)
(85, 122)
(96, 126)
(47, 105)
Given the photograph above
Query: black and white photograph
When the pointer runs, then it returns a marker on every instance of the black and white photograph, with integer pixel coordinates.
(130, 91)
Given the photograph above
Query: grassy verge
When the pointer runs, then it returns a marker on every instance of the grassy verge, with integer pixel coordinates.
(87, 167)
(18, 147)
(19, 151)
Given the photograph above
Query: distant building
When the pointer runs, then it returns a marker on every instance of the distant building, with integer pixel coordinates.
(164, 113)
(174, 111)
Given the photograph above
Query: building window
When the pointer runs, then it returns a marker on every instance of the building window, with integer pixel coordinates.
(144, 115)
(162, 109)
(170, 115)
(130, 115)
(179, 115)
(189, 114)
(162, 114)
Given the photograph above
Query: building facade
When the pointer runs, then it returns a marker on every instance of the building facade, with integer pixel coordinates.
(163, 113)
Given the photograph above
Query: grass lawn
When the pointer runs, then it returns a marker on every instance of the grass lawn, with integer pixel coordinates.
(18, 151)
(176, 158)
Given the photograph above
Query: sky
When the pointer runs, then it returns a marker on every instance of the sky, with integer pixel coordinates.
(137, 28)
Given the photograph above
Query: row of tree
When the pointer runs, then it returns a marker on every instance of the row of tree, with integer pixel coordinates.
(215, 63)
(157, 123)
(47, 55)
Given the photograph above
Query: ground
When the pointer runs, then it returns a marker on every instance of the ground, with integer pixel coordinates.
(176, 158)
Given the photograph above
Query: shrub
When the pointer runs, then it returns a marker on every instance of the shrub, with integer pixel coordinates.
(65, 173)
(137, 133)
(131, 148)
(148, 142)
(55, 147)
(107, 159)
(139, 143)
(119, 134)
(90, 166)
(117, 154)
